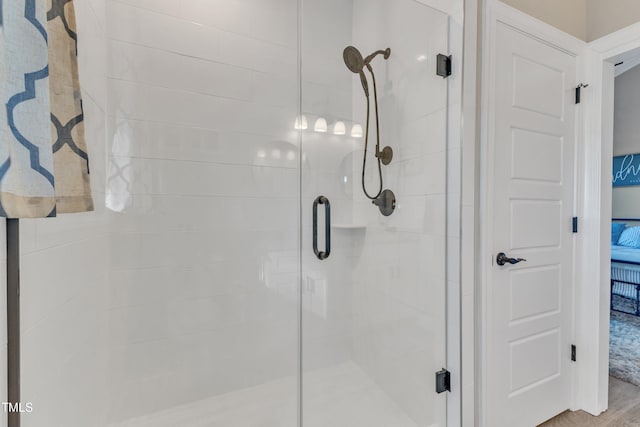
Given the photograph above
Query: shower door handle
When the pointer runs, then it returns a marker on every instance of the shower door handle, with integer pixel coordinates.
(321, 200)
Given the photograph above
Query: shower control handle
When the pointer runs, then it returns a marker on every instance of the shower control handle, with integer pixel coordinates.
(321, 200)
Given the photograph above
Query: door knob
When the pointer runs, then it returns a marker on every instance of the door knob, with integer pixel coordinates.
(503, 259)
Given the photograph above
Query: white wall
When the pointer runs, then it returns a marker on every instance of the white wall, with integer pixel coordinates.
(626, 138)
(584, 19)
(604, 17)
(568, 15)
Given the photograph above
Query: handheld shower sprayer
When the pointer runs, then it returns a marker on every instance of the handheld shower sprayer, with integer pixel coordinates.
(355, 63)
(385, 200)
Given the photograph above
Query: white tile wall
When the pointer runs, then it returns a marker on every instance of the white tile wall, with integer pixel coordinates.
(202, 188)
(64, 274)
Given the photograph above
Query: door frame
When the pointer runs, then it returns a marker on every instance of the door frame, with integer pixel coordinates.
(495, 12)
(593, 335)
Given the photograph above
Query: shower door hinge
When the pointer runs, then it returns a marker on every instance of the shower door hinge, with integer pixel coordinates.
(443, 67)
(573, 352)
(443, 381)
(574, 224)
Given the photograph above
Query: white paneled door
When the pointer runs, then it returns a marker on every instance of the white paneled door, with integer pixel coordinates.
(529, 304)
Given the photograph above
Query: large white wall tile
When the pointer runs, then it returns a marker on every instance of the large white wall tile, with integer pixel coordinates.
(201, 189)
(276, 22)
(157, 104)
(64, 273)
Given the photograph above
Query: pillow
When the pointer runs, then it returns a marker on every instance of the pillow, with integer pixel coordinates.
(630, 237)
(616, 230)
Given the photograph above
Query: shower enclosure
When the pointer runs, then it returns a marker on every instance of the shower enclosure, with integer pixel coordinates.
(193, 295)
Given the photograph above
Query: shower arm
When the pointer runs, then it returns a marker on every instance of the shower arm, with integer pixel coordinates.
(369, 58)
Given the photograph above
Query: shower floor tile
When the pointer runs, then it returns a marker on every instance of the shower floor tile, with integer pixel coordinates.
(338, 396)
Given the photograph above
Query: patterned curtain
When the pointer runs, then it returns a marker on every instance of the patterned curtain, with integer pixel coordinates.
(44, 166)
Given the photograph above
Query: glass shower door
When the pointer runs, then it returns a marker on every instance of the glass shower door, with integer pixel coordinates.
(373, 268)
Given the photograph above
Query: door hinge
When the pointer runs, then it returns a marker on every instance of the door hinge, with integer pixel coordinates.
(443, 381)
(579, 91)
(573, 352)
(574, 224)
(443, 65)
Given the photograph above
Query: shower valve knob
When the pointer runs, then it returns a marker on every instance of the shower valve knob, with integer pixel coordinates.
(386, 202)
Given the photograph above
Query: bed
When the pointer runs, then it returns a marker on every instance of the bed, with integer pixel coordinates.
(625, 265)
